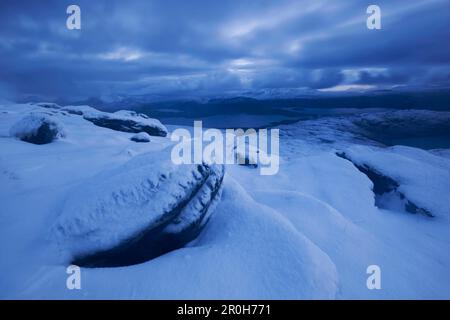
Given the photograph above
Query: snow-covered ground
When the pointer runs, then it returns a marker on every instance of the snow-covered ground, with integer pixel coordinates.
(342, 201)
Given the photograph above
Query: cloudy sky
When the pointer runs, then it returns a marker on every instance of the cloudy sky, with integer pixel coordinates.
(208, 47)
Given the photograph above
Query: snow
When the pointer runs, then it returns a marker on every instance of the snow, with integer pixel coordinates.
(422, 176)
(127, 121)
(38, 128)
(308, 232)
(247, 250)
(50, 105)
(122, 120)
(81, 110)
(141, 137)
(123, 202)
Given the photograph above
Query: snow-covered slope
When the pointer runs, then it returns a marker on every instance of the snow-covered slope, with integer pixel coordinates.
(308, 232)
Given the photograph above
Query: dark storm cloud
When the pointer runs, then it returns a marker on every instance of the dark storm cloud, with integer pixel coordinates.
(213, 47)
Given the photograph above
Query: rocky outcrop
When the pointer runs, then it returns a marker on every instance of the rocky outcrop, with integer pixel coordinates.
(127, 121)
(145, 208)
(123, 120)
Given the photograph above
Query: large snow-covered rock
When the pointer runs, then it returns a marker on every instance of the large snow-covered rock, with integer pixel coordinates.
(138, 211)
(37, 128)
(127, 121)
(122, 120)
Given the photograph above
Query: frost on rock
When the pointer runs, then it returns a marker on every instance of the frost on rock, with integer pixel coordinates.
(37, 128)
(141, 137)
(127, 121)
(136, 212)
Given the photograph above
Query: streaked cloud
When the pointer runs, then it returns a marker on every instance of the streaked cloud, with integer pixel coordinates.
(203, 47)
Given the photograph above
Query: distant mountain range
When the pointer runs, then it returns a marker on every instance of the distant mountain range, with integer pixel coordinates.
(432, 100)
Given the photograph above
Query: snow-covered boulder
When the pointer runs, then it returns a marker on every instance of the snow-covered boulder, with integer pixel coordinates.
(123, 120)
(141, 137)
(38, 128)
(140, 210)
(127, 121)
